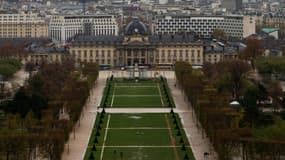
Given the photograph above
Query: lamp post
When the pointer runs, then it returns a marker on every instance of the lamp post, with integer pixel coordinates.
(236, 106)
(206, 155)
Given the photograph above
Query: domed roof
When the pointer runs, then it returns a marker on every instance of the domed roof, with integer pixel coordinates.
(136, 27)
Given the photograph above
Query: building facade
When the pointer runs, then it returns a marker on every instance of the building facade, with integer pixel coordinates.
(45, 57)
(137, 47)
(203, 26)
(232, 5)
(22, 26)
(249, 25)
(64, 27)
(215, 52)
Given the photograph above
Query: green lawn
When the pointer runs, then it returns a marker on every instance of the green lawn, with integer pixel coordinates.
(133, 101)
(140, 94)
(142, 137)
(137, 120)
(140, 154)
(136, 90)
(138, 137)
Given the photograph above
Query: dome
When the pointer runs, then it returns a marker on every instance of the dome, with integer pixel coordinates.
(136, 27)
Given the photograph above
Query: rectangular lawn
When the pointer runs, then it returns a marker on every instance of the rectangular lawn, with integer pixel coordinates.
(131, 94)
(138, 137)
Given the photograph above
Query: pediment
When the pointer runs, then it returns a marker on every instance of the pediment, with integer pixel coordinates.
(136, 40)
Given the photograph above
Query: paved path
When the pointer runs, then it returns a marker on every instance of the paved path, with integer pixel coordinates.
(140, 110)
(19, 78)
(198, 143)
(75, 147)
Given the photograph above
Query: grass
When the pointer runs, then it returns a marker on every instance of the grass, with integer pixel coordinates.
(138, 137)
(136, 90)
(126, 101)
(147, 93)
(141, 137)
(151, 136)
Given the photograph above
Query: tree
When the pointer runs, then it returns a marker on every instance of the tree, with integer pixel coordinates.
(219, 34)
(36, 84)
(275, 91)
(232, 76)
(9, 66)
(30, 67)
(251, 96)
(210, 70)
(252, 51)
(237, 70)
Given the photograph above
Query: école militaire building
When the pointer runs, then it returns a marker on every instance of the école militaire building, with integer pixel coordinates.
(137, 46)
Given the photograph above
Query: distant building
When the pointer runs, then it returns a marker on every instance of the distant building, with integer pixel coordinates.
(37, 58)
(234, 26)
(232, 5)
(64, 27)
(215, 52)
(137, 47)
(249, 25)
(22, 26)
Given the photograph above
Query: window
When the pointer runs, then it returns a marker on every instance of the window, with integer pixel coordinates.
(85, 53)
(180, 53)
(162, 54)
(108, 53)
(174, 53)
(192, 53)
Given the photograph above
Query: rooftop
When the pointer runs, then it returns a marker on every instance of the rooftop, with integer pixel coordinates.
(269, 30)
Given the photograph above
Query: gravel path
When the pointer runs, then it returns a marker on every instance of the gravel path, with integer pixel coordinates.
(76, 146)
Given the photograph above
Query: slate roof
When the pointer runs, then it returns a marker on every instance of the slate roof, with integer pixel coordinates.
(154, 39)
(136, 27)
(171, 39)
(104, 39)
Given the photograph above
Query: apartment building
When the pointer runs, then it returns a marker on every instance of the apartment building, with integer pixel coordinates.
(232, 5)
(64, 27)
(22, 26)
(215, 52)
(137, 47)
(203, 26)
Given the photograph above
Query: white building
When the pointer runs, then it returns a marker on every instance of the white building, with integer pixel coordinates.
(249, 23)
(202, 25)
(64, 27)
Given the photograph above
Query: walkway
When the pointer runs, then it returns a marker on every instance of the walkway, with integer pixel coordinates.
(78, 140)
(140, 110)
(198, 143)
